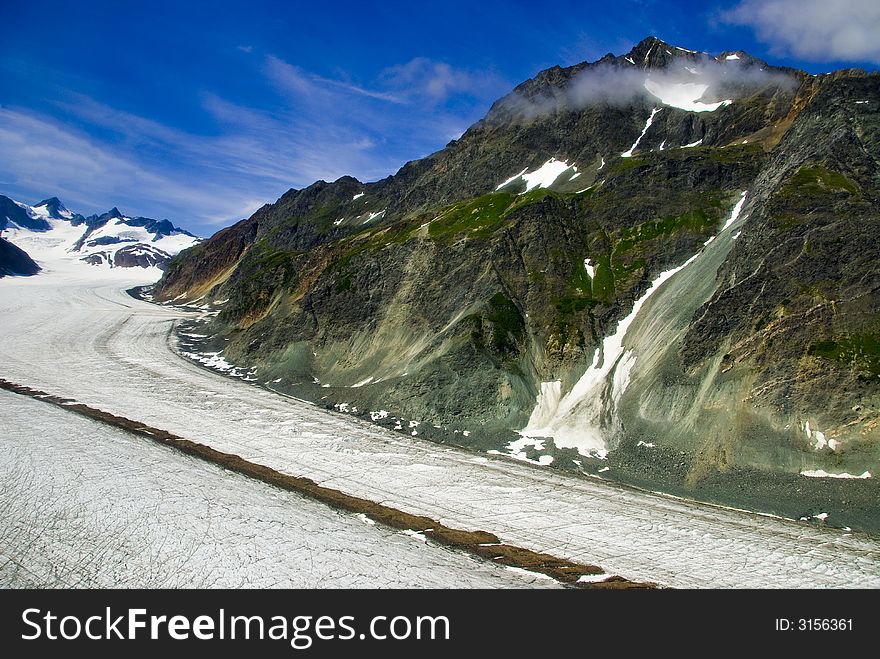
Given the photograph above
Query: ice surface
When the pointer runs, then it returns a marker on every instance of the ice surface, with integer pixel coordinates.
(511, 179)
(117, 358)
(373, 216)
(536, 576)
(734, 215)
(516, 449)
(591, 271)
(87, 505)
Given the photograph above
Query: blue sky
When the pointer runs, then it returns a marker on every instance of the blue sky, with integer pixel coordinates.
(201, 113)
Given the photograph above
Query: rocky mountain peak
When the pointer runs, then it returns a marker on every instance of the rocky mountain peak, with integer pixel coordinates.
(653, 53)
(476, 286)
(53, 205)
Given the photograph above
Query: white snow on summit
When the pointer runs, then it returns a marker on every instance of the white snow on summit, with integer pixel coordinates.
(120, 230)
(67, 242)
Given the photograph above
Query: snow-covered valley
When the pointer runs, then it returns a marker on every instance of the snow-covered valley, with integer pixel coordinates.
(73, 333)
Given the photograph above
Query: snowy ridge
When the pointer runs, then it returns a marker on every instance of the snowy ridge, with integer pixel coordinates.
(110, 240)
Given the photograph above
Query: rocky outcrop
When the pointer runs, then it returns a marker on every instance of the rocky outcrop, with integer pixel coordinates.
(15, 261)
(138, 255)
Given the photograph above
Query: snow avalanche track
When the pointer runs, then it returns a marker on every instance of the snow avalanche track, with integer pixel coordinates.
(87, 339)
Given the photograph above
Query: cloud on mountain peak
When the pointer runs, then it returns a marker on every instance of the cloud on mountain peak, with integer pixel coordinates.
(816, 30)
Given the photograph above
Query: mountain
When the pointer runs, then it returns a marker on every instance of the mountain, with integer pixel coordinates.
(13, 213)
(49, 231)
(14, 261)
(662, 265)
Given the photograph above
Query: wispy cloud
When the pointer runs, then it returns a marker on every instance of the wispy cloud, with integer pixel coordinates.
(816, 30)
(39, 153)
(293, 79)
(612, 86)
(94, 155)
(426, 80)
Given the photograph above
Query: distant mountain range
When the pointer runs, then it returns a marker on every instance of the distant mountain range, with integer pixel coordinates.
(663, 265)
(49, 231)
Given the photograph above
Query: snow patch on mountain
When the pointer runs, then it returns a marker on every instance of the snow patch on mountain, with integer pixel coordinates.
(573, 420)
(629, 152)
(683, 95)
(544, 176)
(819, 473)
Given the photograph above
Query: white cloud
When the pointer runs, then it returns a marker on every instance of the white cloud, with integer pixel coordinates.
(816, 30)
(607, 84)
(37, 149)
(426, 80)
(306, 128)
(313, 87)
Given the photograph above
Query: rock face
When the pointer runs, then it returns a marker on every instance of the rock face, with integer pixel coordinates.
(130, 256)
(11, 212)
(15, 261)
(451, 291)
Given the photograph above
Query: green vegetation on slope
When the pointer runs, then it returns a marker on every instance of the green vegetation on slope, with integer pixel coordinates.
(817, 181)
(506, 328)
(482, 216)
(508, 325)
(699, 221)
(859, 350)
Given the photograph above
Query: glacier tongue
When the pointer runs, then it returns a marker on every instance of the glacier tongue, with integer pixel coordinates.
(584, 418)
